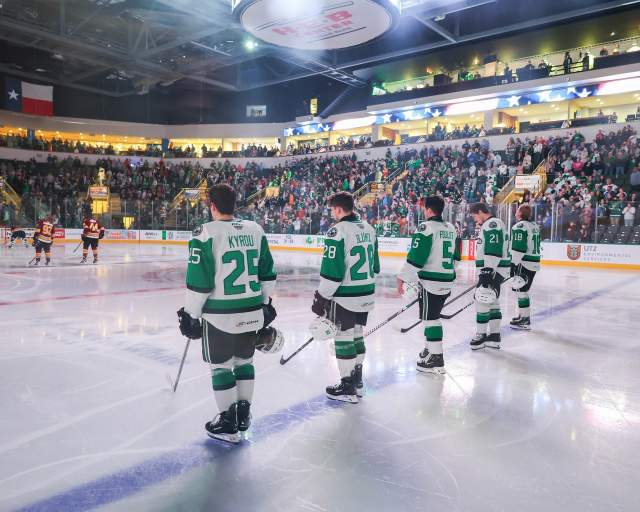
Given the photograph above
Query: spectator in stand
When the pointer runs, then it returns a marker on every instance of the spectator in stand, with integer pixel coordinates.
(629, 214)
(567, 62)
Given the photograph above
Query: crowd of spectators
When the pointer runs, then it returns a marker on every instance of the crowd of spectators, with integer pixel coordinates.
(589, 183)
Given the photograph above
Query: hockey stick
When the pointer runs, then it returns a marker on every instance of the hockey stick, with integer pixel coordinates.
(32, 260)
(448, 317)
(450, 301)
(184, 356)
(77, 247)
(285, 360)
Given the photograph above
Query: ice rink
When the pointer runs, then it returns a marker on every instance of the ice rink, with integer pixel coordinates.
(550, 422)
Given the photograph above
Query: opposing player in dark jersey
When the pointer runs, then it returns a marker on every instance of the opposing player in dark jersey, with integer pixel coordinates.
(92, 233)
(18, 234)
(43, 239)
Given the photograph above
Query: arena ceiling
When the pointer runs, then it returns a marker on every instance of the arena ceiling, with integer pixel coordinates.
(126, 47)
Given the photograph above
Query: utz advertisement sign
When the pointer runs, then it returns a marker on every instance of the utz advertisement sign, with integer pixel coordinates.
(592, 253)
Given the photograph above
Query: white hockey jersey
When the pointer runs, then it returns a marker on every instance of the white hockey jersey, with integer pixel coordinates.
(492, 247)
(349, 264)
(525, 245)
(431, 257)
(230, 275)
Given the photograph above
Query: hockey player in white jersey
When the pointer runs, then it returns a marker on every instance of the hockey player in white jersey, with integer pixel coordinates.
(494, 261)
(230, 278)
(346, 293)
(525, 254)
(430, 265)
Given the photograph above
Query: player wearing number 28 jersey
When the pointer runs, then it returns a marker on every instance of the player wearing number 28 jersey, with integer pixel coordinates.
(346, 293)
(230, 278)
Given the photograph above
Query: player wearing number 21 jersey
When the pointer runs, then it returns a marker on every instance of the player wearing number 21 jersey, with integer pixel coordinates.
(230, 279)
(346, 292)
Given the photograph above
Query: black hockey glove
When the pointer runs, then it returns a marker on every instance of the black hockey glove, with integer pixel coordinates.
(514, 270)
(486, 277)
(189, 326)
(101, 235)
(320, 305)
(83, 237)
(269, 313)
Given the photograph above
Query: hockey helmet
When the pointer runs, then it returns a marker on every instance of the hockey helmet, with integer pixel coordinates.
(270, 340)
(485, 295)
(323, 329)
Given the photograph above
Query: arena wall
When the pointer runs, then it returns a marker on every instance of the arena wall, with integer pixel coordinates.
(601, 256)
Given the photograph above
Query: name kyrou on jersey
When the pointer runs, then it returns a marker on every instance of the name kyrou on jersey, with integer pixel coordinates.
(236, 241)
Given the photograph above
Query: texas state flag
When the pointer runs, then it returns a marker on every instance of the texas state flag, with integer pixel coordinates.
(28, 98)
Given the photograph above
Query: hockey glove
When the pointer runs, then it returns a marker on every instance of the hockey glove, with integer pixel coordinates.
(101, 235)
(83, 237)
(320, 305)
(269, 313)
(189, 326)
(514, 270)
(486, 277)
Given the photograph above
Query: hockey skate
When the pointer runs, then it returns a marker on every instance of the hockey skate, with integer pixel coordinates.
(430, 363)
(243, 415)
(343, 392)
(83, 260)
(478, 341)
(46, 262)
(224, 427)
(493, 341)
(521, 324)
(95, 260)
(357, 380)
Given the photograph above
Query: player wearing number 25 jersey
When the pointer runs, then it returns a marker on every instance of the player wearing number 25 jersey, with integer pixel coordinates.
(430, 261)
(230, 278)
(346, 293)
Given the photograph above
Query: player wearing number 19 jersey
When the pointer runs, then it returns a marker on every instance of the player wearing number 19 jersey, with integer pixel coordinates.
(430, 261)
(230, 278)
(346, 292)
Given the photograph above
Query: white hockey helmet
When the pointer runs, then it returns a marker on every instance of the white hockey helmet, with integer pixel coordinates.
(270, 340)
(411, 291)
(323, 329)
(485, 295)
(519, 281)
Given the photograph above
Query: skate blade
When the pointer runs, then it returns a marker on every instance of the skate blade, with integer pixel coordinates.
(520, 327)
(434, 371)
(227, 438)
(350, 399)
(477, 347)
(492, 344)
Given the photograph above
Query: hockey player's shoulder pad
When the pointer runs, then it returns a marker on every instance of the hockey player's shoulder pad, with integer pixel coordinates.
(197, 231)
(492, 224)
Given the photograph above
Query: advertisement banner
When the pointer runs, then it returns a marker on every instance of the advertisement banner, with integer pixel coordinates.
(151, 235)
(121, 234)
(592, 254)
(58, 233)
(527, 182)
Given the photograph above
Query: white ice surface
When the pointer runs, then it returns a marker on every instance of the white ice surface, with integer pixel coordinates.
(550, 422)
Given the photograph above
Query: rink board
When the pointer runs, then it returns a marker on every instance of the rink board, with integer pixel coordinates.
(604, 256)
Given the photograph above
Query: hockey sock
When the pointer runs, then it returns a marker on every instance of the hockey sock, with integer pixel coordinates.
(433, 334)
(224, 387)
(245, 375)
(482, 318)
(495, 319)
(524, 305)
(95, 253)
(361, 350)
(345, 352)
(84, 253)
